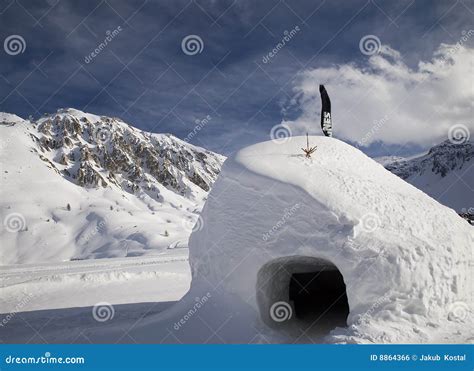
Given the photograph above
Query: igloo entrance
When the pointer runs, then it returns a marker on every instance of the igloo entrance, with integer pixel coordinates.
(299, 293)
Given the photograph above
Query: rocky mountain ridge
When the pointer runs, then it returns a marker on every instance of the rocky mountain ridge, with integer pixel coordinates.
(445, 172)
(100, 151)
(440, 159)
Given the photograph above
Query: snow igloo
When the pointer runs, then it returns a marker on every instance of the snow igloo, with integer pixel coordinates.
(332, 248)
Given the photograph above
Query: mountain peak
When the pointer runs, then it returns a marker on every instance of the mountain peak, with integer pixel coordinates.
(9, 118)
(100, 151)
(98, 187)
(443, 172)
(440, 159)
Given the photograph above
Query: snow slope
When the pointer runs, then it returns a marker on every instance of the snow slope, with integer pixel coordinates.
(406, 259)
(41, 300)
(80, 186)
(160, 278)
(446, 173)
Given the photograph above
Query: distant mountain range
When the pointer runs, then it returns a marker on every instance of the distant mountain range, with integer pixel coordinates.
(446, 173)
(107, 176)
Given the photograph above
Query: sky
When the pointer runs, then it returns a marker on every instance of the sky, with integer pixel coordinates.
(227, 74)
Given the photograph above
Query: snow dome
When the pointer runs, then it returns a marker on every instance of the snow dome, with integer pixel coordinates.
(332, 248)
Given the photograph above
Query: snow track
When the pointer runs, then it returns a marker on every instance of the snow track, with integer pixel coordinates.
(17, 274)
(28, 287)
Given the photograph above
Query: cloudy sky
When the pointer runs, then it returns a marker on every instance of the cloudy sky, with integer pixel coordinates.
(399, 73)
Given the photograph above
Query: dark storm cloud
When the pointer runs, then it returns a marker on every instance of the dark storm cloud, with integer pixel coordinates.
(143, 76)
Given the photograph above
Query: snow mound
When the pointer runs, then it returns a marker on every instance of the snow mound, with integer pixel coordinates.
(404, 258)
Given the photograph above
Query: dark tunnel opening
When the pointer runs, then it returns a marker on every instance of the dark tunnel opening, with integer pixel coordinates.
(319, 296)
(311, 291)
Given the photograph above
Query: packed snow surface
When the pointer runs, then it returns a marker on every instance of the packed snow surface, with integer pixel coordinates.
(405, 259)
(60, 302)
(26, 287)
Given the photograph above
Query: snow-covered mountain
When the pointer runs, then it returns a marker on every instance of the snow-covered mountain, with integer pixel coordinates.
(446, 173)
(76, 185)
(97, 151)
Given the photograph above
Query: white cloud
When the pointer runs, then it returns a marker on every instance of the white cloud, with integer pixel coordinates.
(389, 101)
